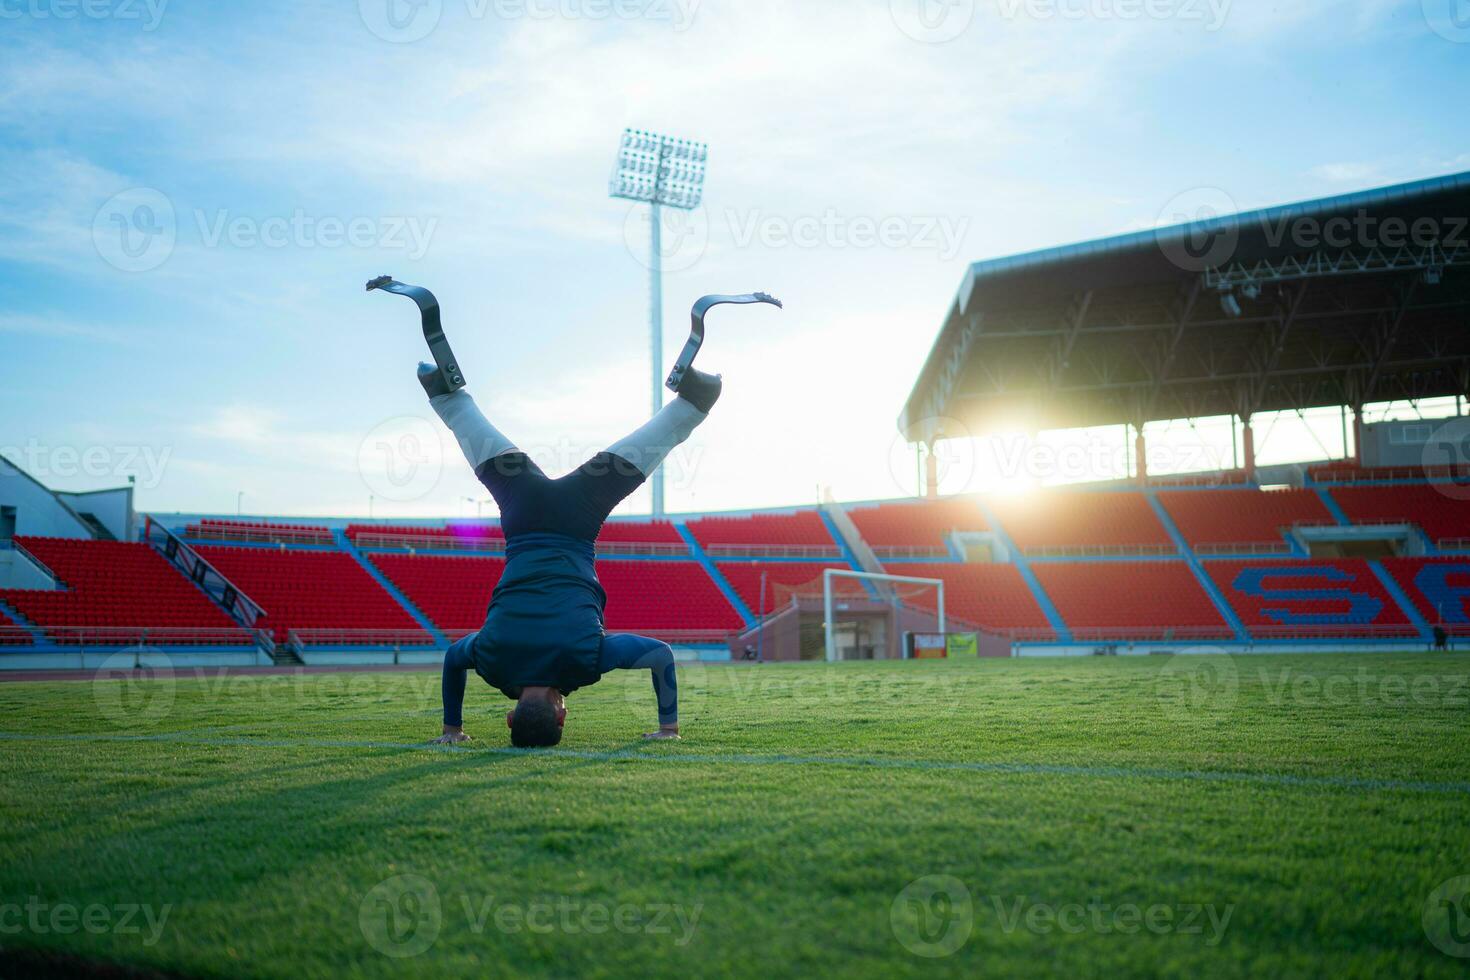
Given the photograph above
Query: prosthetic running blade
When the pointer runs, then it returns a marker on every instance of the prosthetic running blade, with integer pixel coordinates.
(696, 329)
(433, 329)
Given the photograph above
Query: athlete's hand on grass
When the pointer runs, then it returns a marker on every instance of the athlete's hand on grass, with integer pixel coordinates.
(663, 733)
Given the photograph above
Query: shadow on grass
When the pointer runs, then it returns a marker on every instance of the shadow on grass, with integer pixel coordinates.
(324, 817)
(43, 964)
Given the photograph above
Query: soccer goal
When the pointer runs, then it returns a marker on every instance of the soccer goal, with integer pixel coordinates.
(907, 598)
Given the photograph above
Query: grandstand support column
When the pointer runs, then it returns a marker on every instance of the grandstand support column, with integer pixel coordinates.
(931, 472)
(1248, 442)
(1357, 411)
(1140, 455)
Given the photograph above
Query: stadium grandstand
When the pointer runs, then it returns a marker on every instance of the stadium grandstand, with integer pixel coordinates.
(1234, 316)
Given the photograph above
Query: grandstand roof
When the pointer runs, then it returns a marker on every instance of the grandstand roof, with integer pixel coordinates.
(1352, 299)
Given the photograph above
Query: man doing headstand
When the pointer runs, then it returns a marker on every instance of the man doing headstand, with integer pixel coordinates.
(543, 636)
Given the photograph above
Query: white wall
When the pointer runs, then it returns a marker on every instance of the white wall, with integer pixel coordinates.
(19, 572)
(1407, 443)
(114, 508)
(38, 512)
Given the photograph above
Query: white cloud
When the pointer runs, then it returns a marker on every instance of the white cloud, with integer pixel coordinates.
(1347, 173)
(48, 200)
(266, 434)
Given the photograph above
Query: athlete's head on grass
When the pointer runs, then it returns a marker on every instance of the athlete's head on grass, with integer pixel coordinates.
(537, 719)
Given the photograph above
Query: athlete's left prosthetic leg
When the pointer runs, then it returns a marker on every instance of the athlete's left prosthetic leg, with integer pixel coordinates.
(478, 439)
(480, 442)
(449, 376)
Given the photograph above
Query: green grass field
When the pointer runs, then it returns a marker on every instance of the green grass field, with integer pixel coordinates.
(1219, 816)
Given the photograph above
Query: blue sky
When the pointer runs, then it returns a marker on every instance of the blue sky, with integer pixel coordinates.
(293, 150)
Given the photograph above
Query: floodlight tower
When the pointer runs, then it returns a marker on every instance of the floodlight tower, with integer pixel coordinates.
(662, 172)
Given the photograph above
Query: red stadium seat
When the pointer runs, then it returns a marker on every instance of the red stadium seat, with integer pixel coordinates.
(663, 597)
(994, 597)
(1132, 600)
(892, 527)
(642, 595)
(491, 537)
(640, 532)
(1438, 587)
(122, 589)
(318, 590)
(460, 534)
(1082, 522)
(452, 591)
(1338, 468)
(217, 529)
(783, 580)
(130, 587)
(764, 533)
(1442, 510)
(1309, 597)
(1216, 520)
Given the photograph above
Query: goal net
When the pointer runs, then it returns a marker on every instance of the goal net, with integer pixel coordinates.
(866, 614)
(839, 614)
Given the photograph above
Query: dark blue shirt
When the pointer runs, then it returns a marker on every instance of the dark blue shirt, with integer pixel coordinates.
(545, 625)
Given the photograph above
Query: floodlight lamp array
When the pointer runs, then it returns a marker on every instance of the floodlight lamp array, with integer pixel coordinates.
(659, 169)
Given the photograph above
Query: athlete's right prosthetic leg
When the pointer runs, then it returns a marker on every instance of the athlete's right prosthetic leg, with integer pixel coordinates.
(650, 444)
(647, 448)
(696, 329)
